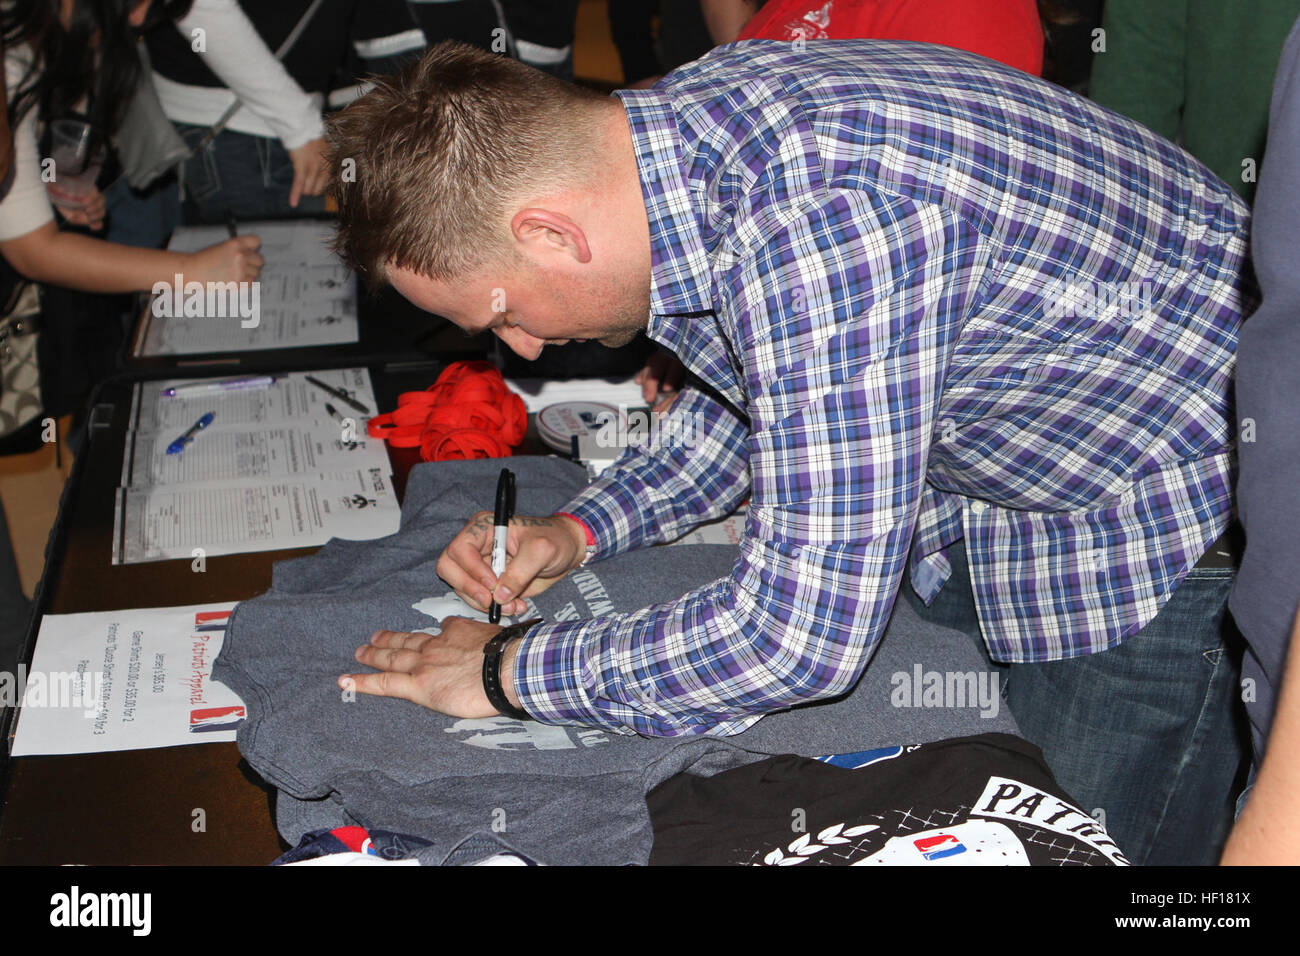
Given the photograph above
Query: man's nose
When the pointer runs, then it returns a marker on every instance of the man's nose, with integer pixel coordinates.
(520, 342)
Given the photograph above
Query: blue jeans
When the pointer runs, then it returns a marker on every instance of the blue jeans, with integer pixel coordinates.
(249, 177)
(1151, 732)
(143, 219)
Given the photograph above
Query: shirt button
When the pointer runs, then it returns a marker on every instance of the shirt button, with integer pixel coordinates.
(979, 507)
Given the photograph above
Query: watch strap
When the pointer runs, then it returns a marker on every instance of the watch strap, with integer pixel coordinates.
(493, 653)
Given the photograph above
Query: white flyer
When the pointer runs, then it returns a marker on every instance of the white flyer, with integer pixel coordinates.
(125, 680)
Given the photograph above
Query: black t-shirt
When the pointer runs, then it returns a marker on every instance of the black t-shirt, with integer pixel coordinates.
(969, 801)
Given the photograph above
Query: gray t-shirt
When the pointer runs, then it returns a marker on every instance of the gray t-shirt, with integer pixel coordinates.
(563, 795)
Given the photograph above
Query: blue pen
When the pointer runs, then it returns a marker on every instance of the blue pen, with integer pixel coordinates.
(176, 447)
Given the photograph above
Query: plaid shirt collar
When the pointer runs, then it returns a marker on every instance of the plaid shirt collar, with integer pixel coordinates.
(682, 299)
(680, 279)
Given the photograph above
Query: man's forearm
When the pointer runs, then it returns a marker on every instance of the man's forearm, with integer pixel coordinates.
(696, 471)
(719, 658)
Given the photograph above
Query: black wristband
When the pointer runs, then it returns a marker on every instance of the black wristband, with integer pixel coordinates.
(493, 651)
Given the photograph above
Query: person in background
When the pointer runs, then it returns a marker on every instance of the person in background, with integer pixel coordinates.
(1268, 831)
(60, 58)
(1198, 72)
(726, 18)
(631, 27)
(267, 161)
(543, 32)
(15, 609)
(1009, 31)
(477, 22)
(1264, 600)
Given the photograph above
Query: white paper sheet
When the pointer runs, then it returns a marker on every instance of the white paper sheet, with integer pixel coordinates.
(237, 452)
(537, 393)
(166, 522)
(305, 296)
(274, 470)
(126, 680)
(288, 241)
(291, 399)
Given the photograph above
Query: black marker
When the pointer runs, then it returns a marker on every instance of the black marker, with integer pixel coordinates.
(501, 515)
(231, 225)
(342, 396)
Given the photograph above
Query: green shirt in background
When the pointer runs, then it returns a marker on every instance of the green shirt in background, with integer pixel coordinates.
(1202, 68)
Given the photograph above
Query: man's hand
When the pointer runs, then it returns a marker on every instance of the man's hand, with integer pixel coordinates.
(539, 552)
(311, 173)
(443, 672)
(661, 379)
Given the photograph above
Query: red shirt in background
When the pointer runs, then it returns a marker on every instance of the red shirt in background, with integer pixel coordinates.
(1004, 30)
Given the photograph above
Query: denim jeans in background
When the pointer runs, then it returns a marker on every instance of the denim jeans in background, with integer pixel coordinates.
(1151, 732)
(144, 219)
(249, 177)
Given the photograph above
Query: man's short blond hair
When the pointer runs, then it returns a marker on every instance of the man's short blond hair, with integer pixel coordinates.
(426, 163)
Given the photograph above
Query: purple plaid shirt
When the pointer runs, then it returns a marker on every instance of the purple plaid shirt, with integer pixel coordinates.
(931, 298)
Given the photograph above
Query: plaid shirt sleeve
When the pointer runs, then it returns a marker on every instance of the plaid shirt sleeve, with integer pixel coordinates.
(695, 469)
(847, 313)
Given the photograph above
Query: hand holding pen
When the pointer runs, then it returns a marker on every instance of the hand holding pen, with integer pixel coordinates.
(539, 550)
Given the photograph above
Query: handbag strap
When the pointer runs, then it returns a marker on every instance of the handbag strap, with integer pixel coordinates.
(215, 130)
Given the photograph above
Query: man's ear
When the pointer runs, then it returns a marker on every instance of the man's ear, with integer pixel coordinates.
(544, 231)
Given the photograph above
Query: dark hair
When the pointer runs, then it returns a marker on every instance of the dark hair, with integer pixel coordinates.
(426, 163)
(94, 57)
(1056, 13)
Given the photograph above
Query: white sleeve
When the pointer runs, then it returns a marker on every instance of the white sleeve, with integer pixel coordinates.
(241, 59)
(26, 207)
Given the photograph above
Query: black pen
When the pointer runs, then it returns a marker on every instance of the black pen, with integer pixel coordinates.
(231, 225)
(340, 395)
(501, 515)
